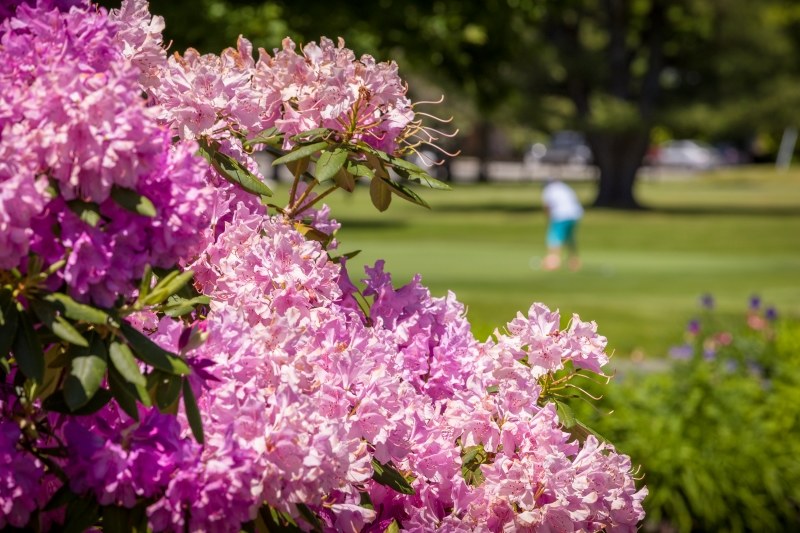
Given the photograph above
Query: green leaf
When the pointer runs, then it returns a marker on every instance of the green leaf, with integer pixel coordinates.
(345, 180)
(359, 169)
(423, 178)
(77, 311)
(299, 166)
(168, 286)
(151, 353)
(192, 412)
(472, 458)
(309, 516)
(57, 324)
(117, 519)
(329, 163)
(389, 476)
(28, 351)
(86, 374)
(348, 255)
(82, 513)
(270, 136)
(89, 212)
(306, 136)
(123, 360)
(492, 389)
(312, 233)
(394, 527)
(168, 390)
(146, 282)
(133, 201)
(181, 306)
(565, 414)
(301, 152)
(9, 317)
(56, 402)
(406, 193)
(62, 497)
(233, 171)
(122, 393)
(380, 193)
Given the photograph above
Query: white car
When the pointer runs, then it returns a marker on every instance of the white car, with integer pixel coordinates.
(685, 154)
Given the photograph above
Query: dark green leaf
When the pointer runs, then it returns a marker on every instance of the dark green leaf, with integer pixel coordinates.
(168, 390)
(117, 519)
(82, 513)
(423, 178)
(28, 350)
(492, 389)
(89, 212)
(133, 201)
(275, 520)
(56, 402)
(233, 171)
(389, 476)
(9, 317)
(77, 311)
(192, 412)
(86, 375)
(348, 255)
(380, 193)
(329, 163)
(151, 353)
(406, 193)
(301, 152)
(57, 324)
(123, 393)
(309, 516)
(123, 360)
(62, 497)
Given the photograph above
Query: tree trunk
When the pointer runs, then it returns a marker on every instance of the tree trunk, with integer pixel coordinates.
(618, 155)
(484, 139)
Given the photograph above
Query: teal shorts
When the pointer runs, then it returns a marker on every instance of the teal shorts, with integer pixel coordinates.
(561, 233)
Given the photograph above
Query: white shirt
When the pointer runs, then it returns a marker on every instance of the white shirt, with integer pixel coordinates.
(562, 201)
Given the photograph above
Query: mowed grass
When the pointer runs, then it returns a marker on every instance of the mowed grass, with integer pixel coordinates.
(732, 234)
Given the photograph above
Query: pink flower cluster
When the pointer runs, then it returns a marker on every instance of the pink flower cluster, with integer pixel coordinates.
(73, 127)
(308, 395)
(300, 391)
(226, 97)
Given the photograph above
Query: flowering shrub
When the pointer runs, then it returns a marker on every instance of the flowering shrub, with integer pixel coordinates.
(717, 431)
(270, 392)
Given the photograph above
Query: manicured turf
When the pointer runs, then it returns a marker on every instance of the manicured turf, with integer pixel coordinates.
(730, 233)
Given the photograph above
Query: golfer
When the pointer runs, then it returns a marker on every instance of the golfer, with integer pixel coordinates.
(564, 211)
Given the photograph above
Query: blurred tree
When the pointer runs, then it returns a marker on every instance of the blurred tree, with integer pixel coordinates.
(611, 68)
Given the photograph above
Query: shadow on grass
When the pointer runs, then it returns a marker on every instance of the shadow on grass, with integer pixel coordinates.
(727, 210)
(497, 207)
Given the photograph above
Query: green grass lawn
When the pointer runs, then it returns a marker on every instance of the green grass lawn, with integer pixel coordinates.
(730, 233)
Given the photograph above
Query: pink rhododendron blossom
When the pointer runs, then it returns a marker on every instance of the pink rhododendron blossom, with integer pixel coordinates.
(307, 387)
(71, 113)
